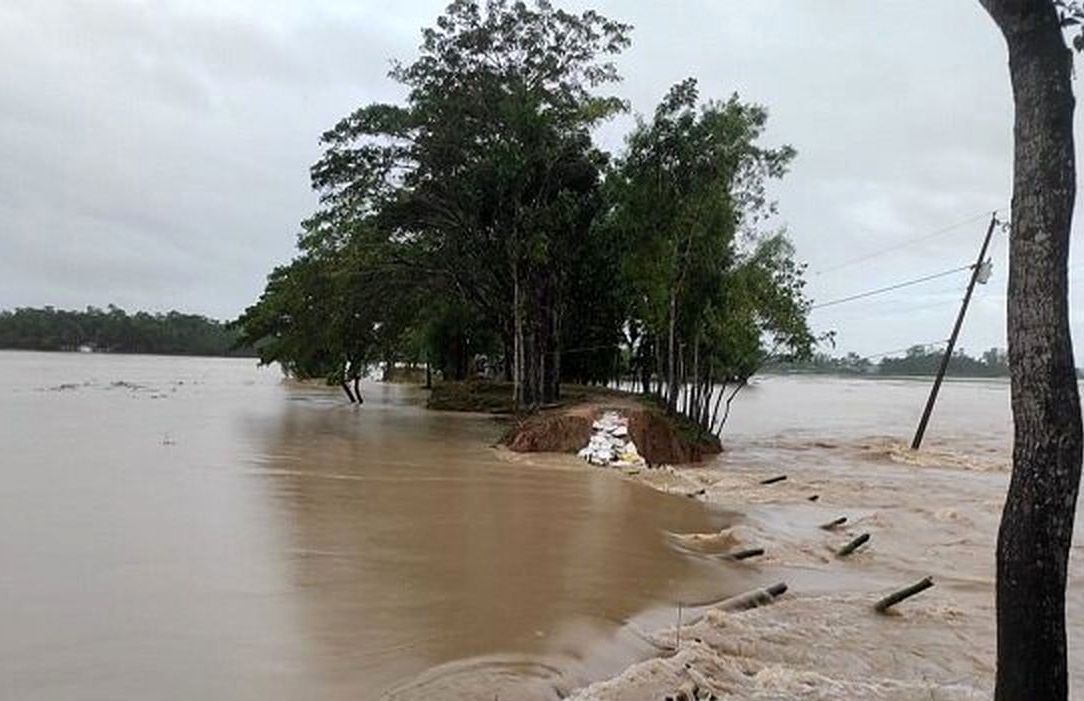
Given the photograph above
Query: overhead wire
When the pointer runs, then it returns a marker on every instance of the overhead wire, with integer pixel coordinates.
(890, 288)
(877, 291)
(903, 244)
(956, 293)
(929, 344)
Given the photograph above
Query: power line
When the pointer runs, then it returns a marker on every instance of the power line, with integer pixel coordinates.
(902, 244)
(882, 290)
(956, 293)
(929, 344)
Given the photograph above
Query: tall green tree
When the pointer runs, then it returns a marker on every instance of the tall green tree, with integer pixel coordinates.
(488, 171)
(479, 214)
(335, 309)
(707, 286)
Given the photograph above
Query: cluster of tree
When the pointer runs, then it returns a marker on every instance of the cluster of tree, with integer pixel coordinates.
(479, 219)
(113, 330)
(917, 360)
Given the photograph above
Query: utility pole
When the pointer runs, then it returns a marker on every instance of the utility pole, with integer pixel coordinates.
(975, 271)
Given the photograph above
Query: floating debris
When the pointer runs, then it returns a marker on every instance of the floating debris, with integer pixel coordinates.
(745, 554)
(753, 599)
(896, 597)
(853, 545)
(834, 522)
(66, 387)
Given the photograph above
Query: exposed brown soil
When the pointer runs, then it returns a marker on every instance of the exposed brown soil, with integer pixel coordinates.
(564, 430)
(659, 438)
(659, 441)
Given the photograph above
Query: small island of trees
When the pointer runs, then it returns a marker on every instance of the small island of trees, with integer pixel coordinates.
(479, 219)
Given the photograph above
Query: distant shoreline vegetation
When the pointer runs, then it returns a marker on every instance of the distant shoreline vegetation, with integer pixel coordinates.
(113, 330)
(916, 361)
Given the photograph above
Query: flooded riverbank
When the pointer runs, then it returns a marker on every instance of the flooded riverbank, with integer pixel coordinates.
(184, 528)
(178, 527)
(933, 513)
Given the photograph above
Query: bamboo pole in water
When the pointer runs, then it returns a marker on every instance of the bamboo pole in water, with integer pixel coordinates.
(753, 599)
(905, 593)
(854, 545)
(745, 554)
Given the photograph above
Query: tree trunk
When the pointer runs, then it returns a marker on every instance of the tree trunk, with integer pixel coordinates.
(553, 381)
(517, 357)
(1037, 522)
(645, 366)
(536, 327)
(658, 366)
(671, 379)
(694, 389)
(718, 401)
(550, 334)
(508, 343)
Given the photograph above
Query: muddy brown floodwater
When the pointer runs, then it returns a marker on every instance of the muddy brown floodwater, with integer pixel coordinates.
(177, 528)
(934, 512)
(196, 528)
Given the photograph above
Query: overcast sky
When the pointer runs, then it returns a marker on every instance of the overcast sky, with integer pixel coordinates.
(156, 154)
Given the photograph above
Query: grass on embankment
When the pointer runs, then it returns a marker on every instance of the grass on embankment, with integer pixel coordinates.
(496, 397)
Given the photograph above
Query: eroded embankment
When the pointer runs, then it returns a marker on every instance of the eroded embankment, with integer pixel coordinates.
(659, 438)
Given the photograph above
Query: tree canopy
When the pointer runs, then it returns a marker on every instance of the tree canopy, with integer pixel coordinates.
(916, 361)
(479, 220)
(114, 330)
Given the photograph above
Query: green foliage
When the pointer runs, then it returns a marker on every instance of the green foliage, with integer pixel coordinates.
(917, 360)
(452, 336)
(337, 308)
(114, 330)
(706, 285)
(476, 192)
(479, 218)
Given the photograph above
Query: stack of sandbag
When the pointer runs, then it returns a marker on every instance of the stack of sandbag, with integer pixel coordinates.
(610, 444)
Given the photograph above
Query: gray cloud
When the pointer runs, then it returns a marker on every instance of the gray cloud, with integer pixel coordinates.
(156, 153)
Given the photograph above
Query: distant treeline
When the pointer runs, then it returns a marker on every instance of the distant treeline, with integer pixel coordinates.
(113, 330)
(918, 360)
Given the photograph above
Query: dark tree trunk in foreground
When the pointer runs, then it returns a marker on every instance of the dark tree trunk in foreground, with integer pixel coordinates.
(1037, 523)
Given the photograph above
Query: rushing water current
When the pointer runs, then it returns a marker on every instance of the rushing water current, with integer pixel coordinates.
(178, 528)
(186, 528)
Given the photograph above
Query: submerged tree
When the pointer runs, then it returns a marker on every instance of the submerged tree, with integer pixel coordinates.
(1037, 523)
(336, 309)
